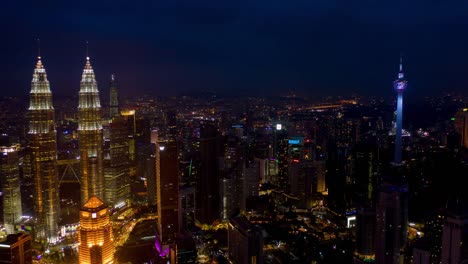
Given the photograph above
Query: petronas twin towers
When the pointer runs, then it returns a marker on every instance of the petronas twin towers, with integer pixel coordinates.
(90, 136)
(43, 144)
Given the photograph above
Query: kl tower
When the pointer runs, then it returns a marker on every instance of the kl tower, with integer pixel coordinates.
(399, 85)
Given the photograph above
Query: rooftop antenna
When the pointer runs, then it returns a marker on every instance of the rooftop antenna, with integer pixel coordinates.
(38, 47)
(87, 50)
(401, 62)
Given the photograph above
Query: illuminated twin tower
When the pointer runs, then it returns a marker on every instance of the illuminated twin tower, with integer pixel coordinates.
(43, 143)
(90, 136)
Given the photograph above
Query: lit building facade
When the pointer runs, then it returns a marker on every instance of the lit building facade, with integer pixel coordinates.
(42, 140)
(96, 245)
(10, 180)
(90, 136)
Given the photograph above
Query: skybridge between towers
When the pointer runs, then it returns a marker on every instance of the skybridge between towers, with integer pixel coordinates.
(69, 171)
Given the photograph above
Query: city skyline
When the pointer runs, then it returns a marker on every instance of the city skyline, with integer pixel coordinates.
(263, 132)
(258, 48)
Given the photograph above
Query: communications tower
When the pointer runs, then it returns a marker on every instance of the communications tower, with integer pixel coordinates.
(399, 85)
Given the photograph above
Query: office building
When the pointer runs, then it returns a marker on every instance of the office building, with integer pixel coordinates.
(167, 190)
(455, 232)
(96, 245)
(43, 145)
(461, 124)
(16, 249)
(207, 194)
(10, 180)
(116, 165)
(245, 241)
(90, 136)
(114, 98)
(391, 221)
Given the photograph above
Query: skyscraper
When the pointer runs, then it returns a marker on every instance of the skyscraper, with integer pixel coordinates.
(10, 180)
(43, 144)
(167, 190)
(90, 136)
(399, 85)
(116, 164)
(114, 99)
(95, 233)
(207, 189)
(455, 232)
(245, 241)
(461, 124)
(16, 249)
(391, 222)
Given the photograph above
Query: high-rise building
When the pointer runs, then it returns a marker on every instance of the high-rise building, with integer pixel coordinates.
(433, 228)
(116, 164)
(245, 241)
(16, 249)
(114, 98)
(90, 136)
(364, 172)
(391, 221)
(10, 180)
(281, 143)
(167, 190)
(43, 145)
(337, 168)
(365, 234)
(130, 119)
(399, 85)
(422, 252)
(207, 186)
(455, 232)
(95, 233)
(461, 123)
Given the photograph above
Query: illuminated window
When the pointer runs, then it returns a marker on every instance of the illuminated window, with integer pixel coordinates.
(94, 215)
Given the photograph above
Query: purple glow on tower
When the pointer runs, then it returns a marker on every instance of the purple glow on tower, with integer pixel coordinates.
(161, 250)
(399, 85)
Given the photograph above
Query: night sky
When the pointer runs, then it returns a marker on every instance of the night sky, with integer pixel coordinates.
(258, 47)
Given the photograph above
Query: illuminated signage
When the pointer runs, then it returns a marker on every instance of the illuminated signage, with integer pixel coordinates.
(294, 141)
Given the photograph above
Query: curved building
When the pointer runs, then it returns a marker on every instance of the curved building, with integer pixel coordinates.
(95, 237)
(43, 143)
(90, 136)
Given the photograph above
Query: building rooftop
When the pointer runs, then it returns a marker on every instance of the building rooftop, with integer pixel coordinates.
(14, 238)
(94, 204)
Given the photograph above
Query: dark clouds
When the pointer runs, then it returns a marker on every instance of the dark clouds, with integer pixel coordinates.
(165, 47)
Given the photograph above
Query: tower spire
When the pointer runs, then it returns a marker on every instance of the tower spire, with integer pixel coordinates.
(39, 62)
(401, 75)
(401, 63)
(38, 48)
(88, 63)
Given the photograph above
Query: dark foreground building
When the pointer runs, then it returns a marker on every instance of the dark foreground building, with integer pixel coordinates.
(16, 249)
